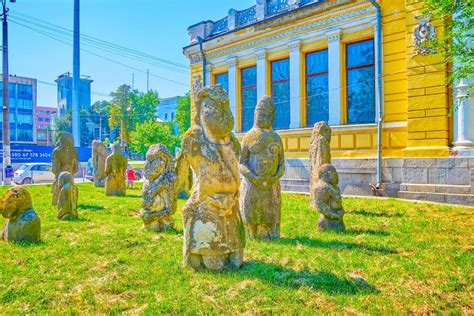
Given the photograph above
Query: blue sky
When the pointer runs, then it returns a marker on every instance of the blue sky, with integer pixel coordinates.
(156, 27)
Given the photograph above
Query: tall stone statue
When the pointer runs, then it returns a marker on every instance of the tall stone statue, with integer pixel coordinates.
(159, 189)
(262, 164)
(214, 236)
(325, 195)
(115, 168)
(185, 177)
(319, 153)
(23, 224)
(67, 197)
(99, 155)
(65, 158)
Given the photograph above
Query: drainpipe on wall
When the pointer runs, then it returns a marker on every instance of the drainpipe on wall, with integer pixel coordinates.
(203, 56)
(379, 75)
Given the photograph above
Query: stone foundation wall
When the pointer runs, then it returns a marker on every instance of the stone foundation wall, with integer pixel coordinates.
(449, 180)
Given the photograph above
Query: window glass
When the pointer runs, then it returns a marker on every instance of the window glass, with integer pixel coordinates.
(317, 88)
(360, 83)
(249, 96)
(361, 53)
(280, 71)
(223, 80)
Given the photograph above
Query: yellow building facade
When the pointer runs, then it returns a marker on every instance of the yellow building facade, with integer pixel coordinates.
(363, 66)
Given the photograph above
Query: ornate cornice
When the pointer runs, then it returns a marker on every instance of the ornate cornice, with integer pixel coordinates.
(280, 35)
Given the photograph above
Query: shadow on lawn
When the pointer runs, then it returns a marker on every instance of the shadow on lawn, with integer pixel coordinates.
(374, 214)
(333, 244)
(91, 207)
(366, 232)
(317, 281)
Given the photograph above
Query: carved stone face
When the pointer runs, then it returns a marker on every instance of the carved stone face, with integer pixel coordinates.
(115, 148)
(65, 140)
(264, 113)
(328, 174)
(14, 201)
(216, 116)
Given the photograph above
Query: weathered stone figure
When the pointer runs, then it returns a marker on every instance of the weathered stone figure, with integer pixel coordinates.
(214, 236)
(325, 195)
(23, 224)
(115, 168)
(65, 158)
(328, 199)
(319, 154)
(185, 177)
(99, 155)
(262, 164)
(159, 190)
(67, 197)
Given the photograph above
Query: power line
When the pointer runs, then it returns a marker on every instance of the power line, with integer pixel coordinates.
(57, 28)
(55, 37)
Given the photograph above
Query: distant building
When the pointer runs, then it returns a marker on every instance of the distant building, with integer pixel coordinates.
(22, 105)
(65, 93)
(166, 110)
(44, 119)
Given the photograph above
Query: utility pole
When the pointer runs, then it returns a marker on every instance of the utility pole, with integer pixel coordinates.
(133, 81)
(6, 116)
(76, 78)
(147, 80)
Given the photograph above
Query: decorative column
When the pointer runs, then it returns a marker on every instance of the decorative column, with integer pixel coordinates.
(464, 119)
(295, 85)
(232, 72)
(208, 74)
(334, 78)
(261, 74)
(464, 116)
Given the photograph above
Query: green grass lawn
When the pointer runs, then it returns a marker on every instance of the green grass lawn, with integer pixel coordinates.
(395, 257)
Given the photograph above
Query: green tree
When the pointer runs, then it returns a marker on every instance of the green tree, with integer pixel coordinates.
(62, 124)
(183, 113)
(100, 116)
(150, 133)
(144, 105)
(455, 45)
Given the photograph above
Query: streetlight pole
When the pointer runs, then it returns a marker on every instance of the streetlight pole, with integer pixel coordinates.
(6, 116)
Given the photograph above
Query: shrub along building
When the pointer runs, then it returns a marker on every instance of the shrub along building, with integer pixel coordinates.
(363, 67)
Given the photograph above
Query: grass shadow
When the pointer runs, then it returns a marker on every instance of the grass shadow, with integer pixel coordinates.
(29, 244)
(334, 244)
(326, 281)
(91, 207)
(78, 220)
(374, 214)
(366, 232)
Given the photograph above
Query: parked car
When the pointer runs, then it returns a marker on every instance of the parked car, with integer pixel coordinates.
(34, 173)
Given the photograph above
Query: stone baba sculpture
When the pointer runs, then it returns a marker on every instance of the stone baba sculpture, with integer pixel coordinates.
(319, 153)
(115, 168)
(67, 197)
(159, 190)
(325, 195)
(214, 236)
(99, 155)
(328, 199)
(262, 164)
(65, 158)
(185, 177)
(23, 224)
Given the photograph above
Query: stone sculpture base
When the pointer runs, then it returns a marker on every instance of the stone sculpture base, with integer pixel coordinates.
(326, 224)
(154, 222)
(100, 183)
(25, 228)
(232, 261)
(263, 231)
